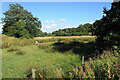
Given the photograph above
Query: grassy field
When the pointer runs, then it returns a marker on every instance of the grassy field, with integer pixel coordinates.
(37, 38)
(54, 57)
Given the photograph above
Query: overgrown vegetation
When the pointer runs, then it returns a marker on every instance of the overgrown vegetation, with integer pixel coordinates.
(107, 29)
(22, 55)
(59, 63)
(103, 67)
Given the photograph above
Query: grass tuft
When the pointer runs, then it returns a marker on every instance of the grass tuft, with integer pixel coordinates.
(19, 52)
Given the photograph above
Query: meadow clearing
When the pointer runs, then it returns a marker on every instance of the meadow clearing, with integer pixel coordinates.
(67, 52)
(19, 56)
(55, 57)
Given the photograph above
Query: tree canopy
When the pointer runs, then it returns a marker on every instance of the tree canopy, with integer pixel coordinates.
(19, 22)
(107, 29)
(85, 29)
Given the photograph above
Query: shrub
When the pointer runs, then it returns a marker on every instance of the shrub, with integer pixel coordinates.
(6, 44)
(12, 49)
(82, 72)
(116, 49)
(43, 46)
(107, 66)
(20, 52)
(107, 35)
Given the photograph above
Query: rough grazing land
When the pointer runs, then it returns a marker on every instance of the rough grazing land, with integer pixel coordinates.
(63, 37)
(19, 56)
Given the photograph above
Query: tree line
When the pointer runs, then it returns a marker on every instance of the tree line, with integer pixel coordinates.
(20, 23)
(81, 30)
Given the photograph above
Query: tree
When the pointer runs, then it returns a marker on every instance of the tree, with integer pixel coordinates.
(17, 19)
(107, 29)
(80, 30)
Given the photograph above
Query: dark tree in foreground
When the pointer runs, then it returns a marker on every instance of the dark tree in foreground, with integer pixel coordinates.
(20, 23)
(107, 29)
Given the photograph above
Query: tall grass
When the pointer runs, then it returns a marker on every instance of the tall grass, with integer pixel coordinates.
(19, 56)
(15, 66)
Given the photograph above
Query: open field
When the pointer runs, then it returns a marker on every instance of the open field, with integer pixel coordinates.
(63, 37)
(56, 45)
(55, 58)
(19, 56)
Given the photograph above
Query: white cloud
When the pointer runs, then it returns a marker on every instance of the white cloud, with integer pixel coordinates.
(47, 21)
(63, 20)
(52, 21)
(54, 27)
(1, 26)
(74, 26)
(71, 26)
(47, 26)
(92, 22)
(54, 24)
(43, 30)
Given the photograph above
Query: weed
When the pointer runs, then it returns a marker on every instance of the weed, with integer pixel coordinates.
(12, 49)
(20, 52)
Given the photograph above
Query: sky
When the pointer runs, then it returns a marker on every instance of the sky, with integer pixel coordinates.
(60, 15)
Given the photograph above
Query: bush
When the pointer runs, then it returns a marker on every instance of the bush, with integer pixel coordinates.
(43, 46)
(6, 44)
(107, 35)
(82, 72)
(12, 49)
(20, 52)
(106, 67)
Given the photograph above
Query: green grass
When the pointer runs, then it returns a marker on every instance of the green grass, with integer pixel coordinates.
(19, 58)
(16, 66)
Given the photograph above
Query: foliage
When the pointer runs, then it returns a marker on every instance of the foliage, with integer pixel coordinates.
(107, 29)
(11, 49)
(22, 55)
(107, 66)
(82, 72)
(80, 30)
(19, 52)
(116, 49)
(47, 34)
(20, 23)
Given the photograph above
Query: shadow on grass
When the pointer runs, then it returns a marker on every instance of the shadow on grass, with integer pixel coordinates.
(75, 47)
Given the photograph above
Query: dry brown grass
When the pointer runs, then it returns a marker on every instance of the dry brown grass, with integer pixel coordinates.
(36, 38)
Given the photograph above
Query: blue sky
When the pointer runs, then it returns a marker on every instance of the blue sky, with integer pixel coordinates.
(59, 15)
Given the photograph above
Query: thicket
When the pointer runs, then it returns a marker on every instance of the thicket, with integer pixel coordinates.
(103, 67)
(107, 29)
